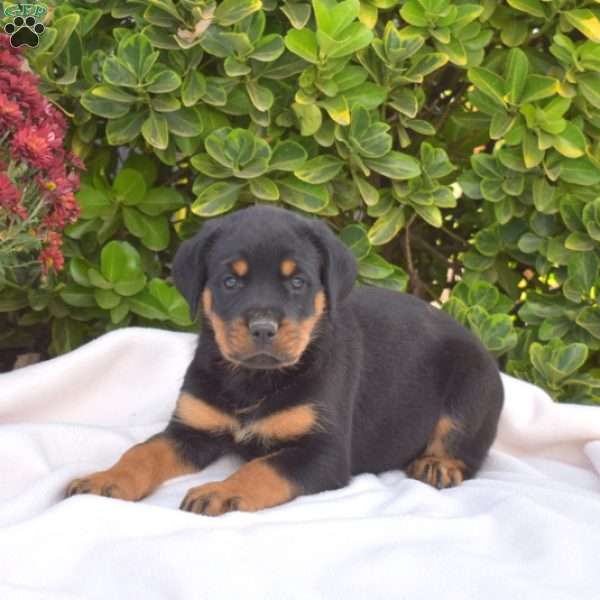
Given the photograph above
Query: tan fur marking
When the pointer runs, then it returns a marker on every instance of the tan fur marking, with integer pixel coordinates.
(137, 473)
(435, 466)
(436, 443)
(233, 337)
(283, 425)
(240, 267)
(256, 485)
(438, 472)
(288, 266)
(294, 336)
(198, 414)
(207, 300)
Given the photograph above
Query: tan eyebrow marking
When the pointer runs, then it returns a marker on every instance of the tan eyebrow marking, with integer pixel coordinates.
(288, 266)
(240, 267)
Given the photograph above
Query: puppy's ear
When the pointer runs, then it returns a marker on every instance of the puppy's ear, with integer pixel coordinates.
(339, 270)
(189, 265)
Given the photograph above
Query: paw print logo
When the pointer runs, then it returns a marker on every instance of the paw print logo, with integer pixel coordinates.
(24, 32)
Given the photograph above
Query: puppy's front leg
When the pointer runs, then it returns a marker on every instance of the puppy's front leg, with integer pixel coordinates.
(271, 480)
(143, 468)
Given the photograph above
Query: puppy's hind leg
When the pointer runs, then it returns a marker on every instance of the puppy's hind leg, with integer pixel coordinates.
(467, 426)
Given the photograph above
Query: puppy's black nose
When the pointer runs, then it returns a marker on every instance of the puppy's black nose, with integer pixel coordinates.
(262, 330)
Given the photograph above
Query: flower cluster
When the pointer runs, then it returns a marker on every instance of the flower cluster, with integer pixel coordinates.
(38, 176)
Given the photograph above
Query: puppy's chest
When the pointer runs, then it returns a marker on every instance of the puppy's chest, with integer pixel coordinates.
(250, 424)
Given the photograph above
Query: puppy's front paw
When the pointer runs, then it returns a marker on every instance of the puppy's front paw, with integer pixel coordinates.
(104, 483)
(438, 472)
(215, 499)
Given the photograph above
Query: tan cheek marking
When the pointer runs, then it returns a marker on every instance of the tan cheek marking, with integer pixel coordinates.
(293, 337)
(284, 425)
(288, 266)
(232, 338)
(198, 414)
(207, 300)
(240, 267)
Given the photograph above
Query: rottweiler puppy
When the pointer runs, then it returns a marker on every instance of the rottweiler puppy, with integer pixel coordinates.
(308, 378)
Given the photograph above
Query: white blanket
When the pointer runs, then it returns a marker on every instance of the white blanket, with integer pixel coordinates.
(528, 527)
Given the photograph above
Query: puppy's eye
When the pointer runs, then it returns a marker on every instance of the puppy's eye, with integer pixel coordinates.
(230, 282)
(297, 282)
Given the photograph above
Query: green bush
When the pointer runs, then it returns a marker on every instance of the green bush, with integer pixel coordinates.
(453, 145)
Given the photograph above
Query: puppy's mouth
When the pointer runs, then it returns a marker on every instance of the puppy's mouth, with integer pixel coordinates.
(263, 360)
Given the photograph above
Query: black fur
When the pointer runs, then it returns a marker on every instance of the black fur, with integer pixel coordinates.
(381, 369)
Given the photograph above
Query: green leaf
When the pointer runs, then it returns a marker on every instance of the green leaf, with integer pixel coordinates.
(488, 82)
(387, 226)
(147, 306)
(135, 51)
(94, 202)
(161, 199)
(320, 169)
(78, 269)
(589, 85)
(229, 12)
(538, 87)
(269, 48)
(124, 130)
(580, 171)
(302, 195)
(395, 165)
(531, 7)
(115, 72)
(431, 214)
(584, 267)
(579, 242)
(369, 193)
(544, 197)
(104, 107)
(589, 319)
(120, 262)
(156, 131)
(356, 37)
(287, 156)
(98, 280)
(76, 295)
(164, 82)
(264, 188)
(171, 300)
(153, 231)
(64, 26)
(585, 21)
(129, 187)
(309, 116)
(355, 237)
(193, 88)
(217, 199)
(303, 42)
(298, 14)
(375, 267)
(570, 142)
(185, 122)
(517, 69)
(260, 96)
(106, 299)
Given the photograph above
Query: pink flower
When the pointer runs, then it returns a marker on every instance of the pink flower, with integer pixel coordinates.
(51, 256)
(10, 197)
(10, 113)
(35, 145)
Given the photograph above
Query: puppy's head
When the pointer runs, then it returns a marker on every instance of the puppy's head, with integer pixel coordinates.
(265, 277)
